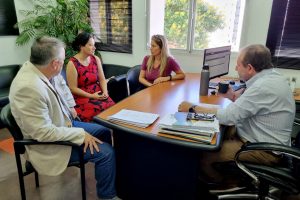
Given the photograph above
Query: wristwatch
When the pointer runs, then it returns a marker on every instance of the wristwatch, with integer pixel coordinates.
(192, 109)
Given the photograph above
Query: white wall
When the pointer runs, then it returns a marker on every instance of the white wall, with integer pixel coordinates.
(11, 53)
(256, 22)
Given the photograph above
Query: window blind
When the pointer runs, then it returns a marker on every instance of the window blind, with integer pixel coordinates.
(112, 24)
(284, 34)
(8, 18)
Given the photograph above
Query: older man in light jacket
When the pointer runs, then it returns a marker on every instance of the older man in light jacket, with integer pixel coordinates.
(38, 103)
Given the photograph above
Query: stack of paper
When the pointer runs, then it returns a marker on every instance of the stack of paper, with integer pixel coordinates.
(134, 118)
(197, 130)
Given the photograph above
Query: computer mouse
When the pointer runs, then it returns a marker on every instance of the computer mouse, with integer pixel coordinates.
(231, 82)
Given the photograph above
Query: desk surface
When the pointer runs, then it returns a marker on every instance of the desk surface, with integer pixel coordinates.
(163, 99)
(297, 94)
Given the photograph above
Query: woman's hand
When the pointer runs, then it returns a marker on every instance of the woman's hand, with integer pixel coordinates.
(99, 95)
(105, 94)
(161, 79)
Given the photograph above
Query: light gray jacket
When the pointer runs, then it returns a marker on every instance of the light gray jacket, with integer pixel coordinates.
(38, 113)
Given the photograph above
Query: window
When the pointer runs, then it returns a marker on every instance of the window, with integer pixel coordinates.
(112, 24)
(284, 34)
(197, 24)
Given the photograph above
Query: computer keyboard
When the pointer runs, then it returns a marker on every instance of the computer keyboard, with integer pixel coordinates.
(213, 85)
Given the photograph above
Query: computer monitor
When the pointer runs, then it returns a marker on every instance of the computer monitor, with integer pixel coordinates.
(218, 60)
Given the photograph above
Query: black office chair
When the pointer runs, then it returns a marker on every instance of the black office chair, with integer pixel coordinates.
(296, 127)
(265, 181)
(255, 179)
(132, 79)
(19, 148)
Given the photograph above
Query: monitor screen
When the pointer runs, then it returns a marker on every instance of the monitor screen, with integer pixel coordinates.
(218, 60)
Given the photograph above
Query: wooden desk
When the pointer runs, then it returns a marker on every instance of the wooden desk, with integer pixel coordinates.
(297, 94)
(154, 167)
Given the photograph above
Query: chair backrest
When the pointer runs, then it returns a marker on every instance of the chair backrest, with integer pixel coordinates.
(296, 126)
(132, 79)
(114, 70)
(9, 122)
(7, 74)
(296, 162)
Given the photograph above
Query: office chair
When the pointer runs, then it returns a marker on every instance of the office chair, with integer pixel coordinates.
(132, 80)
(264, 181)
(19, 147)
(259, 181)
(296, 127)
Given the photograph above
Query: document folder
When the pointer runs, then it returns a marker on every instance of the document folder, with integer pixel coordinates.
(134, 118)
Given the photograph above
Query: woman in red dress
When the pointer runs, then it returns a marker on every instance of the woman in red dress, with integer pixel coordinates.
(86, 79)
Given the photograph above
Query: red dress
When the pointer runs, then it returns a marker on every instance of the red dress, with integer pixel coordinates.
(88, 81)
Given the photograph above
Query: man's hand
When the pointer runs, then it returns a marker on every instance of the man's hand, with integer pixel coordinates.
(205, 108)
(232, 95)
(239, 92)
(73, 112)
(184, 106)
(229, 94)
(91, 143)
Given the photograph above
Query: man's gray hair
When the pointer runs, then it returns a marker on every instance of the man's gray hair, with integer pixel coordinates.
(45, 49)
(258, 56)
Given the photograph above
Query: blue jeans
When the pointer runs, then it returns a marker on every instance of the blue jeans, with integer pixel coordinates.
(105, 165)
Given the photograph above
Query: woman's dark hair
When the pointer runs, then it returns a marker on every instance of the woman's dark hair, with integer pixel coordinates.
(81, 40)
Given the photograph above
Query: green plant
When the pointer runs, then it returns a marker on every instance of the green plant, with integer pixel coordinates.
(63, 19)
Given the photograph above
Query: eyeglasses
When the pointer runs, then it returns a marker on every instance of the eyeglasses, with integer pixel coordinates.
(200, 116)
